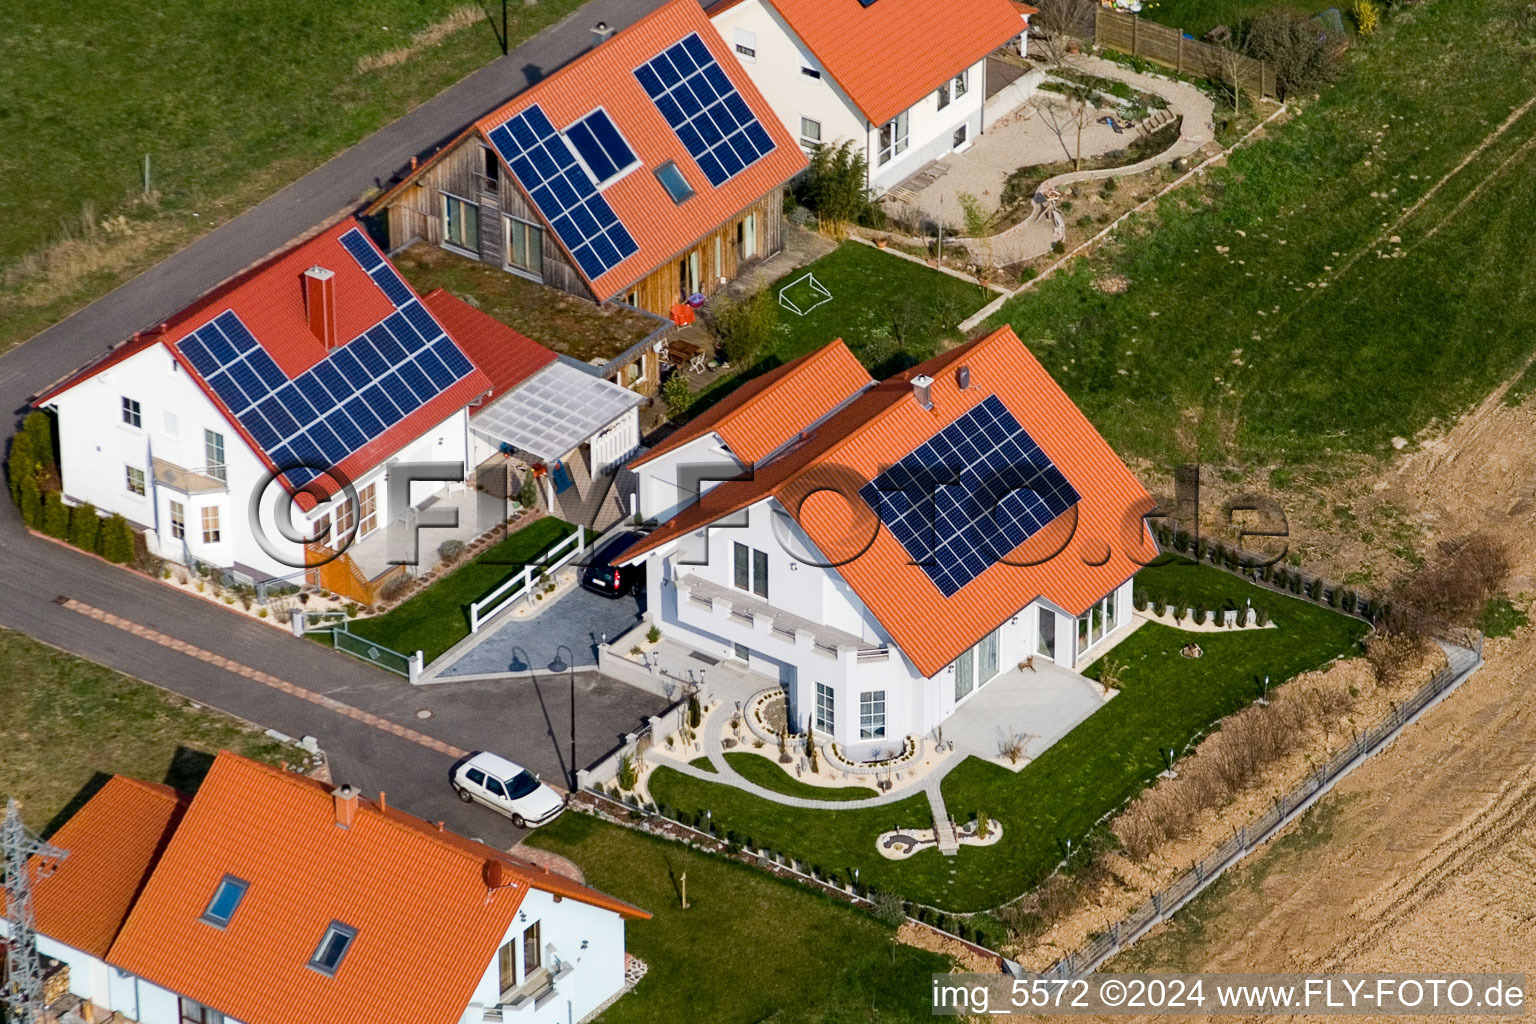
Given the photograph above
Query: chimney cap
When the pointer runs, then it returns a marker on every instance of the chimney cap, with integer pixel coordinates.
(319, 273)
(346, 791)
(922, 390)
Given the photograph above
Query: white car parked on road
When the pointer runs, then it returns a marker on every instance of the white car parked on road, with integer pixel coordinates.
(506, 788)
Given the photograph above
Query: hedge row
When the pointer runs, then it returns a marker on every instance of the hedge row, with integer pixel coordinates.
(34, 480)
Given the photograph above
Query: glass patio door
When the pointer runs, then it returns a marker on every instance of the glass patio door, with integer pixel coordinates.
(965, 674)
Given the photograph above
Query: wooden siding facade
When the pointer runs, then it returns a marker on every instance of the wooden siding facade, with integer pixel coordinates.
(417, 212)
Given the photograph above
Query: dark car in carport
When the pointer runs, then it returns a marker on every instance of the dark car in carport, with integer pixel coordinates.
(602, 576)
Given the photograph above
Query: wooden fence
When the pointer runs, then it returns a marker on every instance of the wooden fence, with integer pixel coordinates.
(1128, 33)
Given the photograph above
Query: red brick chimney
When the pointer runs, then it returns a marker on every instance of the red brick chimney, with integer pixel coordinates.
(320, 304)
(346, 805)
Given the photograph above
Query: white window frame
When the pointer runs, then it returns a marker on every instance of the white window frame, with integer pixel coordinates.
(943, 96)
(744, 42)
(212, 523)
(758, 575)
(449, 242)
(961, 83)
(367, 510)
(895, 136)
(170, 424)
(213, 443)
(620, 172)
(806, 140)
(810, 72)
(826, 708)
(872, 715)
(134, 481)
(133, 413)
(178, 515)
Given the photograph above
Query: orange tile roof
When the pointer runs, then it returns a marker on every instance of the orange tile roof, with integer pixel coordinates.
(769, 410)
(269, 299)
(1079, 558)
(427, 924)
(506, 356)
(892, 53)
(606, 76)
(113, 843)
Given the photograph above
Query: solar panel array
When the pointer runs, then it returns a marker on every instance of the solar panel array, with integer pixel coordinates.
(698, 100)
(358, 391)
(564, 193)
(1002, 490)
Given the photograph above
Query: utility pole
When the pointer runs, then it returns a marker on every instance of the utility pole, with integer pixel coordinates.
(23, 993)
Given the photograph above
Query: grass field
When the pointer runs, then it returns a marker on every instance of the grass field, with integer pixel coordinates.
(1166, 701)
(231, 102)
(70, 723)
(749, 948)
(438, 617)
(1341, 282)
(759, 769)
(1197, 17)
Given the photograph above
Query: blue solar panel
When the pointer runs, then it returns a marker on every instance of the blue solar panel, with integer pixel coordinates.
(710, 117)
(365, 254)
(284, 416)
(547, 169)
(969, 495)
(600, 145)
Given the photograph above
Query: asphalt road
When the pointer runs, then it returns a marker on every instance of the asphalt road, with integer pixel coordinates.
(527, 720)
(326, 192)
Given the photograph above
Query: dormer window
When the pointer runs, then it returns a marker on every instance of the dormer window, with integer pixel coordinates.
(333, 947)
(226, 900)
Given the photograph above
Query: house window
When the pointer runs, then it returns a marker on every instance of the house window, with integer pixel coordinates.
(809, 72)
(461, 223)
(872, 715)
(367, 510)
(672, 180)
(810, 133)
(743, 653)
(962, 83)
(196, 1013)
(525, 246)
(135, 480)
(1046, 643)
(211, 531)
(826, 708)
(746, 44)
(171, 425)
(178, 520)
(492, 169)
(893, 138)
(333, 947)
(213, 455)
(532, 958)
(943, 95)
(977, 665)
(132, 414)
(226, 900)
(746, 237)
(506, 964)
(343, 520)
(959, 137)
(751, 570)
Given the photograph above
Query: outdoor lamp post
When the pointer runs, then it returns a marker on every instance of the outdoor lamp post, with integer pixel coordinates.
(560, 666)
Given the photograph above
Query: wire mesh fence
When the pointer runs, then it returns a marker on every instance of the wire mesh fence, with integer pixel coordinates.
(368, 650)
(1460, 663)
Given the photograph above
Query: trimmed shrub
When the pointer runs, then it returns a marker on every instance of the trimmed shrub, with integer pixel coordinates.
(20, 464)
(30, 500)
(695, 712)
(628, 776)
(653, 635)
(450, 551)
(1296, 582)
(1334, 598)
(678, 394)
(38, 426)
(55, 516)
(528, 492)
(84, 527)
(1315, 590)
(117, 540)
(745, 327)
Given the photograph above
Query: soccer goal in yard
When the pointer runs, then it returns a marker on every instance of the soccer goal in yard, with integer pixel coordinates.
(804, 294)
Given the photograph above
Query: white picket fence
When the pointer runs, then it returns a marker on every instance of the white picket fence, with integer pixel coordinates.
(521, 585)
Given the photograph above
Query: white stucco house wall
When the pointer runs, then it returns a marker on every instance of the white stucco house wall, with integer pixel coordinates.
(178, 429)
(769, 554)
(240, 906)
(904, 80)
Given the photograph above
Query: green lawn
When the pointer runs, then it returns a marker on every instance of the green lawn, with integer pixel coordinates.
(438, 617)
(70, 723)
(749, 948)
(1197, 17)
(231, 102)
(759, 769)
(1270, 315)
(1167, 700)
(891, 312)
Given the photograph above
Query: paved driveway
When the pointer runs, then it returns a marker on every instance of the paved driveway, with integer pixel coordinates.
(579, 620)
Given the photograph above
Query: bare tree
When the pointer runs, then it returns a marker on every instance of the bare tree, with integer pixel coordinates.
(1231, 63)
(1068, 113)
(1056, 26)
